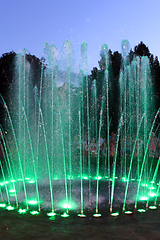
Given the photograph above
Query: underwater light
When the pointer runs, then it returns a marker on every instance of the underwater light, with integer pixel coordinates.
(22, 211)
(2, 205)
(128, 212)
(34, 212)
(10, 208)
(97, 215)
(152, 207)
(64, 215)
(81, 215)
(144, 198)
(141, 210)
(115, 214)
(51, 214)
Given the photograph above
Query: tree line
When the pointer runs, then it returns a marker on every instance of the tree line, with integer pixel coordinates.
(7, 76)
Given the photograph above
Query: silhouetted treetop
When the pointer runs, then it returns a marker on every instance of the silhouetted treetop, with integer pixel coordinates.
(6, 71)
(94, 73)
(142, 50)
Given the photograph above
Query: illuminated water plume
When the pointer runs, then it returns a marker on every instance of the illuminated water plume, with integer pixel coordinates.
(47, 164)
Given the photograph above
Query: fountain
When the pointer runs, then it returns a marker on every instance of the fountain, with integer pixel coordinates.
(46, 163)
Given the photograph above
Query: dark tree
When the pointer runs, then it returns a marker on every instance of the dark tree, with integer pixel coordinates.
(7, 75)
(131, 56)
(142, 50)
(6, 72)
(156, 77)
(116, 63)
(94, 73)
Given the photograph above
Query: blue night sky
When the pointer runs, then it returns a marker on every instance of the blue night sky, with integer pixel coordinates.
(29, 24)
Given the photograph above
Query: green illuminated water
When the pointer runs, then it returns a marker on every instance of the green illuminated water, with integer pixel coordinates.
(52, 126)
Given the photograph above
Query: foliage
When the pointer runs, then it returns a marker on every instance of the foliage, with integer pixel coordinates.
(114, 61)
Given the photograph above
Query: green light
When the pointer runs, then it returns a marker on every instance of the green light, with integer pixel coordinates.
(152, 207)
(22, 211)
(2, 205)
(32, 202)
(152, 182)
(13, 180)
(115, 214)
(10, 208)
(81, 215)
(99, 177)
(124, 179)
(152, 187)
(70, 177)
(144, 198)
(51, 214)
(64, 215)
(12, 194)
(56, 178)
(141, 210)
(128, 212)
(144, 185)
(12, 191)
(152, 194)
(85, 178)
(31, 181)
(34, 212)
(69, 205)
(27, 178)
(133, 179)
(97, 215)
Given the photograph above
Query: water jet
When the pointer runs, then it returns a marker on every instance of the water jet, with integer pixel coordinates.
(49, 154)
